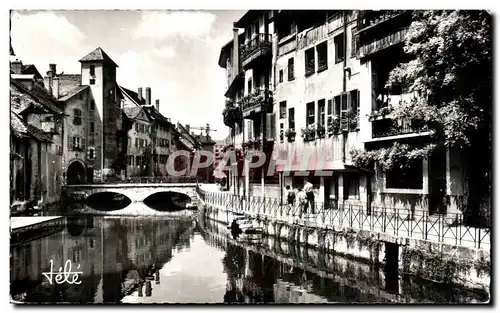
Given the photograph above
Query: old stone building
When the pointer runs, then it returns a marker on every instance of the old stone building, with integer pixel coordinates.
(36, 146)
(93, 128)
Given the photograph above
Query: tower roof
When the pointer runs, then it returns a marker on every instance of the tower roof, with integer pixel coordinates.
(97, 55)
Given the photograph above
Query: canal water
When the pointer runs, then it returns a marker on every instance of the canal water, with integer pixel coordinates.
(186, 260)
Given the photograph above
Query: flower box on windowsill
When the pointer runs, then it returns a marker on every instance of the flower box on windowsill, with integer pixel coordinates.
(322, 68)
(309, 133)
(290, 135)
(309, 71)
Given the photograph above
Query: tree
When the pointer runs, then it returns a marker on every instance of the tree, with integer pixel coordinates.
(452, 74)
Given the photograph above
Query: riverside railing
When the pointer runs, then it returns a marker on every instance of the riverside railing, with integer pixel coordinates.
(150, 180)
(415, 224)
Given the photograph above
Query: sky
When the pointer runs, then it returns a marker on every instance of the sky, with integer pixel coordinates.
(175, 53)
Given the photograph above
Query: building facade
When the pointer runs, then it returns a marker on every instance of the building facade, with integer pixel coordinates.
(36, 145)
(309, 87)
(93, 145)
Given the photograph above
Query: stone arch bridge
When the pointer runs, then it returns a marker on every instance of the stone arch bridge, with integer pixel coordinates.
(135, 192)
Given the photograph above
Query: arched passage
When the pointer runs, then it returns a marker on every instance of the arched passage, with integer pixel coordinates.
(167, 201)
(76, 173)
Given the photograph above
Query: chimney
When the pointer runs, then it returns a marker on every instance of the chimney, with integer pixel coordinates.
(55, 87)
(139, 94)
(188, 128)
(16, 66)
(53, 69)
(157, 105)
(148, 95)
(236, 52)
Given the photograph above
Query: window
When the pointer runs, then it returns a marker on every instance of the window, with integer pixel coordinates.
(137, 160)
(351, 185)
(354, 108)
(76, 143)
(92, 70)
(321, 112)
(130, 160)
(91, 153)
(249, 84)
(92, 81)
(91, 127)
(291, 74)
(354, 43)
(310, 114)
(339, 48)
(92, 105)
(291, 118)
(77, 117)
(283, 109)
(410, 177)
(322, 50)
(281, 76)
(309, 62)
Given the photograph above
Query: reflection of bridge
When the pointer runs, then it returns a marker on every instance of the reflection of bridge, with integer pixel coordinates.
(135, 192)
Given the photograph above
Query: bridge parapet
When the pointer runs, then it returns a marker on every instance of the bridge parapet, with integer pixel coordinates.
(135, 192)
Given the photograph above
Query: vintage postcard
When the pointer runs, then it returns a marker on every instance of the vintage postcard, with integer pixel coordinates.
(250, 156)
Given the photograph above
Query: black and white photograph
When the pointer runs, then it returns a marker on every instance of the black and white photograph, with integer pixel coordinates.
(258, 156)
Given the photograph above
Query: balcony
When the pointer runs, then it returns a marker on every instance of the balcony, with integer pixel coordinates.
(231, 114)
(388, 127)
(259, 102)
(371, 18)
(257, 47)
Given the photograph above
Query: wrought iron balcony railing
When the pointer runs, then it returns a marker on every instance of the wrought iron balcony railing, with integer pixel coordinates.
(261, 101)
(258, 46)
(372, 18)
(388, 127)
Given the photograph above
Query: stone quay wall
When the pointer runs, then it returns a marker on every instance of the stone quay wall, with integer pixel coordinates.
(438, 261)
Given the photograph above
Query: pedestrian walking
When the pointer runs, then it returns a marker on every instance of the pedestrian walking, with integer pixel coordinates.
(290, 197)
(302, 202)
(308, 188)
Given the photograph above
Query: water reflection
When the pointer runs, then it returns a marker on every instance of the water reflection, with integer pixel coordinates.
(175, 260)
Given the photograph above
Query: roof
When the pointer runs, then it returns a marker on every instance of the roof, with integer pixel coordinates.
(31, 69)
(134, 96)
(248, 18)
(132, 111)
(98, 55)
(225, 50)
(155, 114)
(23, 76)
(22, 99)
(67, 83)
(21, 129)
(73, 92)
(205, 140)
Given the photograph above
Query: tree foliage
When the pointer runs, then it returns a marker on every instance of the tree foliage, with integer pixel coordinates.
(451, 73)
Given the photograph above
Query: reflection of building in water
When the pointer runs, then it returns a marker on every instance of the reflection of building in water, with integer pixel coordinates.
(114, 255)
(251, 276)
(30, 260)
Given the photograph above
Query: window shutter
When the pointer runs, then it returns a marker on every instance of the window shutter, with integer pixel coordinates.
(273, 126)
(70, 143)
(345, 101)
(270, 126)
(83, 144)
(330, 107)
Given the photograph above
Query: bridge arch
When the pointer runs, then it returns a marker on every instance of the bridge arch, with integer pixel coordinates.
(76, 173)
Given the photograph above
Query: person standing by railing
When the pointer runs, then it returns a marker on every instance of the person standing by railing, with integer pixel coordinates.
(302, 202)
(290, 198)
(308, 189)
